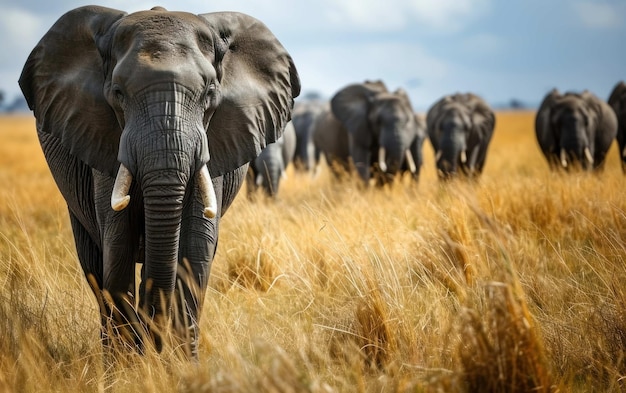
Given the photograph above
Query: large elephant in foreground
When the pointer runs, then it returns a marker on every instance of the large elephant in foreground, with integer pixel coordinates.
(374, 130)
(266, 171)
(147, 121)
(575, 130)
(460, 127)
(617, 100)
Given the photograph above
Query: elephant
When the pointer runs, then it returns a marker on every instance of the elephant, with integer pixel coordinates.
(617, 100)
(305, 158)
(575, 130)
(269, 167)
(460, 127)
(330, 139)
(372, 130)
(148, 121)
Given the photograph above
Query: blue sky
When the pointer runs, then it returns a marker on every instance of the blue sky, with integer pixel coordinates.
(499, 49)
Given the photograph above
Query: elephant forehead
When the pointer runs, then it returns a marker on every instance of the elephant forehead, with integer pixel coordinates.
(161, 31)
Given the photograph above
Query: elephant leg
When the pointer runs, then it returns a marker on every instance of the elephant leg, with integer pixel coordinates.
(251, 182)
(119, 283)
(362, 159)
(90, 257)
(197, 249)
(120, 252)
(192, 279)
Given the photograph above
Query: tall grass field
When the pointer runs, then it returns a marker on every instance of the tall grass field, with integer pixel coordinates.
(514, 283)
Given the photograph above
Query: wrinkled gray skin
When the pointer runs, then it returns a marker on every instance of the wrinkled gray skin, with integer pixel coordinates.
(161, 94)
(266, 171)
(617, 100)
(372, 129)
(575, 130)
(460, 127)
(304, 114)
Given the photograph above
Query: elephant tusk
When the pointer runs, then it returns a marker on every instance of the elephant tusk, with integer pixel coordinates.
(207, 192)
(119, 196)
(474, 157)
(463, 157)
(381, 159)
(438, 155)
(563, 158)
(410, 161)
(588, 155)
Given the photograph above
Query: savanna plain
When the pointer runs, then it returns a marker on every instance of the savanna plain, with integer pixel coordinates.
(514, 283)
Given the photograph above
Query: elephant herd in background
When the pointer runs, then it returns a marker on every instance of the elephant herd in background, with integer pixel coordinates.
(374, 132)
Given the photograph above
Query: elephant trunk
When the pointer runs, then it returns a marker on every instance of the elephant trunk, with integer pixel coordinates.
(575, 153)
(452, 153)
(163, 192)
(392, 151)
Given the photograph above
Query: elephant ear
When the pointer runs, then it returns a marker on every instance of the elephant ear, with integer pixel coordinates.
(434, 114)
(605, 118)
(351, 104)
(404, 97)
(543, 120)
(258, 84)
(62, 82)
(483, 118)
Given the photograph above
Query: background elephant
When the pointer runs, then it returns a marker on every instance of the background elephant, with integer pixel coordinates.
(330, 139)
(269, 167)
(373, 129)
(575, 130)
(176, 105)
(460, 127)
(304, 114)
(617, 100)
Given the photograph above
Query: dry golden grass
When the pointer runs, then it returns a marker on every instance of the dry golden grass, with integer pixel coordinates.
(511, 284)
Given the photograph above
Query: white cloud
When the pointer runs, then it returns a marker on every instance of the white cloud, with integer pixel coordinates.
(17, 26)
(448, 15)
(360, 15)
(393, 15)
(600, 15)
(326, 69)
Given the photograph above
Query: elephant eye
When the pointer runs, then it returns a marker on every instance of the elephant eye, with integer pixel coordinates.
(210, 94)
(119, 95)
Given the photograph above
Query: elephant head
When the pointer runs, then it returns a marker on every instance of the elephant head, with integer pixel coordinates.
(267, 170)
(575, 130)
(460, 128)
(617, 100)
(381, 126)
(165, 103)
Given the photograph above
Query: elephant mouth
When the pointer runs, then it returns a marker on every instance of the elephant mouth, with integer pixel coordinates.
(120, 198)
(408, 159)
(566, 157)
